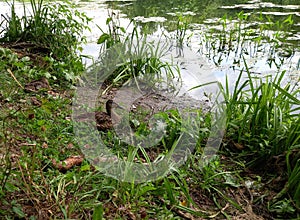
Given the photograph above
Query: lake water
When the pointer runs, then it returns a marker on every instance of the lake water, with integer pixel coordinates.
(206, 51)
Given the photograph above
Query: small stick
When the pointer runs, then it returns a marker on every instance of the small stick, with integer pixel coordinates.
(13, 76)
(27, 144)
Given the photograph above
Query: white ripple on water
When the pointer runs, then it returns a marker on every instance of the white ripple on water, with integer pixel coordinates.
(150, 19)
(261, 5)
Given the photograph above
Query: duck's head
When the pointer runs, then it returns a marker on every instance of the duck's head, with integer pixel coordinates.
(109, 105)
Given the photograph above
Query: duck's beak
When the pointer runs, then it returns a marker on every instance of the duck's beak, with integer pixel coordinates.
(116, 105)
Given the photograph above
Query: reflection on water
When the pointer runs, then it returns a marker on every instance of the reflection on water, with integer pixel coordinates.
(213, 36)
(210, 31)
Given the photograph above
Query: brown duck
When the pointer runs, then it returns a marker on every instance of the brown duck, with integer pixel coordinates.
(104, 119)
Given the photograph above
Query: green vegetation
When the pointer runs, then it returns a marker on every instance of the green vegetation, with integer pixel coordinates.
(239, 37)
(255, 173)
(52, 31)
(264, 121)
(136, 57)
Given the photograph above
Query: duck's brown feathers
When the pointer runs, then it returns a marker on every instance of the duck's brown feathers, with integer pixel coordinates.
(103, 121)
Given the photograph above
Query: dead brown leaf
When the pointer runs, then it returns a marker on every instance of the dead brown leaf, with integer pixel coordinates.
(68, 163)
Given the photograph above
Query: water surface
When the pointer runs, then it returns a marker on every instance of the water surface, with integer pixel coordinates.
(209, 24)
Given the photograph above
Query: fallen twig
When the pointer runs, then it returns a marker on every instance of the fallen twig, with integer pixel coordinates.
(13, 76)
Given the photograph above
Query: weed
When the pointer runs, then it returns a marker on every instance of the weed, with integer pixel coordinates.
(238, 38)
(52, 30)
(263, 112)
(262, 119)
(115, 32)
(132, 58)
(181, 30)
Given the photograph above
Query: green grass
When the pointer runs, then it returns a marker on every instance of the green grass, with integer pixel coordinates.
(261, 116)
(136, 58)
(257, 167)
(263, 119)
(52, 32)
(28, 178)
